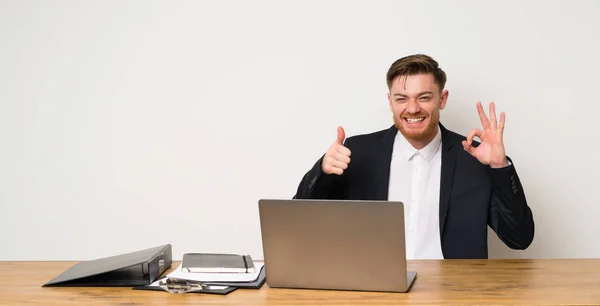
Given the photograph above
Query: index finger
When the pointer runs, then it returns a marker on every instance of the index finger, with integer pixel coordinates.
(343, 150)
(484, 120)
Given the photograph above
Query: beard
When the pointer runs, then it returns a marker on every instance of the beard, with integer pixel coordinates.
(426, 133)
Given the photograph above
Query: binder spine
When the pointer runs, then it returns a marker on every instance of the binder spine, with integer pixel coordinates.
(159, 264)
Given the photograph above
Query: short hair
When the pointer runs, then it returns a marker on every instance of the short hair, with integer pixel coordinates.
(416, 64)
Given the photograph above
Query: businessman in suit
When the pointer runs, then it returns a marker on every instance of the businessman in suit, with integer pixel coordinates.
(452, 186)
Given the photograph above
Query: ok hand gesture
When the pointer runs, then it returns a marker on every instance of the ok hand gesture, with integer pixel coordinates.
(491, 148)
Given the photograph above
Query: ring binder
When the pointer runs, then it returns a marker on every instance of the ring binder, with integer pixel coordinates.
(130, 269)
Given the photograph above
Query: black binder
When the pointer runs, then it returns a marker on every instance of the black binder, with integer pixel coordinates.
(131, 269)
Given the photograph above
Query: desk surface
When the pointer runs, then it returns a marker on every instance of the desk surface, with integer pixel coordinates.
(542, 281)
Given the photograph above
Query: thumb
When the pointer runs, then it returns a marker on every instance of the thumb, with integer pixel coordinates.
(341, 135)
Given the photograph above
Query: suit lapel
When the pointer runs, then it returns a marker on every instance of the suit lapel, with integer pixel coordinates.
(383, 164)
(447, 175)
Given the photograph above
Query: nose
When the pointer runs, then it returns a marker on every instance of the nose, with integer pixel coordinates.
(413, 107)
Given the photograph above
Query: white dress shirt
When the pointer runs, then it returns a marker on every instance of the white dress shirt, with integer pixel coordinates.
(415, 180)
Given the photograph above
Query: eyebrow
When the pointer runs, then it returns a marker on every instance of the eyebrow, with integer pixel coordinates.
(420, 94)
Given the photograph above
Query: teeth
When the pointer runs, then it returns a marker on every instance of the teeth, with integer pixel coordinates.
(414, 120)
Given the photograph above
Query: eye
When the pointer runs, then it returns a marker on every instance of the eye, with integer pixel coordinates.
(426, 98)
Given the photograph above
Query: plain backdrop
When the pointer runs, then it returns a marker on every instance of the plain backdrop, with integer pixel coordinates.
(129, 124)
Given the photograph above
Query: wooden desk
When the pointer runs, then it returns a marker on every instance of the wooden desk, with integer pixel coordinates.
(569, 281)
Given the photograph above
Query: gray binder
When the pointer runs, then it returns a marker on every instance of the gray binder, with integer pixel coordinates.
(131, 269)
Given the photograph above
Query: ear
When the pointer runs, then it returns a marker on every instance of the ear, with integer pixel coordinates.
(443, 99)
(389, 95)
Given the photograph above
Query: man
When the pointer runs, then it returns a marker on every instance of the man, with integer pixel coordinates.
(452, 186)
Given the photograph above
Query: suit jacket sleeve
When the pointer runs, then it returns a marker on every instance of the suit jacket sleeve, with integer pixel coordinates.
(319, 185)
(509, 215)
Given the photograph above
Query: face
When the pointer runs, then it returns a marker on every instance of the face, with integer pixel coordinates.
(416, 102)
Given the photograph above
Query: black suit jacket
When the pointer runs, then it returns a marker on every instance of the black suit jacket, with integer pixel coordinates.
(472, 195)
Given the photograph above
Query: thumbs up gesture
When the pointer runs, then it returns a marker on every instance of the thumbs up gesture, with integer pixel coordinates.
(337, 158)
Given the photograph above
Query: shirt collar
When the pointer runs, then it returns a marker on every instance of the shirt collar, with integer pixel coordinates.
(427, 153)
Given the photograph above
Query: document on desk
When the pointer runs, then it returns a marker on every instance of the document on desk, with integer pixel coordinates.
(217, 277)
(185, 287)
(209, 287)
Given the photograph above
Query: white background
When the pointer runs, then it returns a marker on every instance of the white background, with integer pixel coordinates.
(129, 124)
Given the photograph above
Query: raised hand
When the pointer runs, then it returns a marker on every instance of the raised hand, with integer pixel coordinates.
(491, 149)
(337, 158)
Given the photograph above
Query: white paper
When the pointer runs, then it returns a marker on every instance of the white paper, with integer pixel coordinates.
(217, 277)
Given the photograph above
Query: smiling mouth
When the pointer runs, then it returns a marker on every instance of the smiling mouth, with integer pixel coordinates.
(414, 120)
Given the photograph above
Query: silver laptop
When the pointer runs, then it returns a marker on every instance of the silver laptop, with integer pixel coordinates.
(336, 245)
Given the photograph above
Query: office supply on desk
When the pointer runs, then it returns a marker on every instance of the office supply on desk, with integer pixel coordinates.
(217, 263)
(130, 269)
(178, 286)
(220, 278)
(331, 244)
(179, 281)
